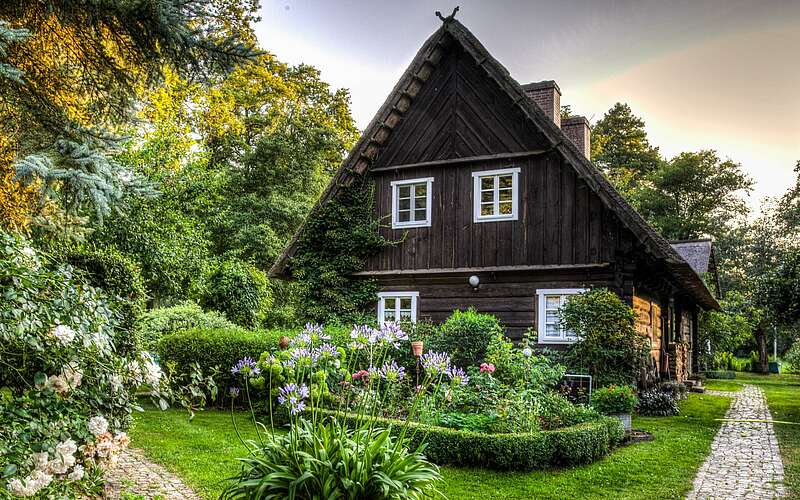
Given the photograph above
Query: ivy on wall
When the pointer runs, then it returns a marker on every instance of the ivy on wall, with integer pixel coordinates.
(337, 239)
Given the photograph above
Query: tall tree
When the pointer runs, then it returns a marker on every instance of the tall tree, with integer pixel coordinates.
(69, 71)
(694, 195)
(621, 149)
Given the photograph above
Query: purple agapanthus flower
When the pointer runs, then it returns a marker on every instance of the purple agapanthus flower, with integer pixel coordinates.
(391, 334)
(363, 336)
(326, 350)
(391, 372)
(458, 375)
(234, 392)
(436, 363)
(301, 357)
(246, 367)
(292, 396)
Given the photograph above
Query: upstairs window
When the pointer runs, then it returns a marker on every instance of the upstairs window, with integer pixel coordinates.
(397, 306)
(549, 304)
(496, 194)
(411, 203)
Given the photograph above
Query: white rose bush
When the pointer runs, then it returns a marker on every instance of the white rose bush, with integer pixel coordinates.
(66, 396)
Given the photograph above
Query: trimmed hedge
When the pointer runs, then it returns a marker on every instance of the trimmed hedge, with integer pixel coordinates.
(568, 446)
(156, 323)
(720, 374)
(216, 347)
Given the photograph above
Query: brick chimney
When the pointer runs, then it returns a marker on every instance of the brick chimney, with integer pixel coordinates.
(577, 129)
(548, 96)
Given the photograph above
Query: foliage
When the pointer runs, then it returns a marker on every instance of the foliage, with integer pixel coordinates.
(614, 399)
(466, 336)
(621, 149)
(719, 374)
(326, 460)
(656, 403)
(521, 367)
(677, 390)
(730, 328)
(335, 241)
(608, 346)
(782, 288)
(156, 323)
(214, 349)
(120, 279)
(693, 195)
(237, 289)
(67, 394)
(792, 356)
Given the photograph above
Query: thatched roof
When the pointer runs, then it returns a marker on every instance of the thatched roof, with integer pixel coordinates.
(699, 254)
(401, 99)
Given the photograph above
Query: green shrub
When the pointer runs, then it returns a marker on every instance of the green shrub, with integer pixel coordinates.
(579, 444)
(655, 403)
(720, 374)
(614, 399)
(120, 278)
(519, 367)
(792, 358)
(216, 348)
(609, 347)
(237, 289)
(466, 335)
(556, 411)
(676, 389)
(156, 323)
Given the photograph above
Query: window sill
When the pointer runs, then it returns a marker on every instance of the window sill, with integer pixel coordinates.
(495, 218)
(401, 225)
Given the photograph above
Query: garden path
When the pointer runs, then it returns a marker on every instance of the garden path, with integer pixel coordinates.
(745, 462)
(134, 473)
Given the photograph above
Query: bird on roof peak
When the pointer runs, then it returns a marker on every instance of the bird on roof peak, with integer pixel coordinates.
(448, 18)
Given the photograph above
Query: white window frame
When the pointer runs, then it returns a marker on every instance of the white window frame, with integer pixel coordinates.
(476, 194)
(541, 312)
(414, 296)
(396, 224)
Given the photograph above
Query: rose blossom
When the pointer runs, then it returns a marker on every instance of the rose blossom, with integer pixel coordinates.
(63, 333)
(97, 425)
(76, 474)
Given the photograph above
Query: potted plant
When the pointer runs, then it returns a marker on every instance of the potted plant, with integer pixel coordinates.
(616, 401)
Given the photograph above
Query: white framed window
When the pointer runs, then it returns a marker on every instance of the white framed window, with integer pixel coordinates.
(411, 203)
(496, 194)
(549, 325)
(396, 306)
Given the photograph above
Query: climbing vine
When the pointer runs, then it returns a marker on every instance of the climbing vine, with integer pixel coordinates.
(337, 239)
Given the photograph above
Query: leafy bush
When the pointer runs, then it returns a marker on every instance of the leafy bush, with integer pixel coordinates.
(579, 444)
(676, 389)
(466, 335)
(720, 374)
(237, 289)
(792, 357)
(655, 403)
(609, 347)
(556, 411)
(215, 349)
(66, 392)
(520, 367)
(120, 278)
(614, 399)
(156, 323)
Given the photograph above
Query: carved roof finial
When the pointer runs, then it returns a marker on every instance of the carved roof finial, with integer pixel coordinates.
(448, 18)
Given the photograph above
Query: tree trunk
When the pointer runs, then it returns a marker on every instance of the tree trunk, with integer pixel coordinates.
(761, 341)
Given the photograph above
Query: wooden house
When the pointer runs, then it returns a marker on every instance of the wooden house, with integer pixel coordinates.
(499, 207)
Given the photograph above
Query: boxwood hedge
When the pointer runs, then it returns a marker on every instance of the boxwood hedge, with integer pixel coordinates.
(568, 446)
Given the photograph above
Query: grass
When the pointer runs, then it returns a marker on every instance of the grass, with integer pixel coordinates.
(783, 398)
(204, 453)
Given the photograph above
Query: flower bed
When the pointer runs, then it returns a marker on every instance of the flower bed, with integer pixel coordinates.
(568, 446)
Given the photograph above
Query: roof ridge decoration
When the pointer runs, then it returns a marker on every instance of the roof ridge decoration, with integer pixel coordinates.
(401, 98)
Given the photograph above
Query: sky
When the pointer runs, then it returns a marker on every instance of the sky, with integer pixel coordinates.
(703, 74)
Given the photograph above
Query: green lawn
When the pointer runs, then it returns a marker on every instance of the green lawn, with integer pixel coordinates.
(203, 452)
(783, 398)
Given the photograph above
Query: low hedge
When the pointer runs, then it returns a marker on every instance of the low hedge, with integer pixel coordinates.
(216, 347)
(720, 374)
(569, 446)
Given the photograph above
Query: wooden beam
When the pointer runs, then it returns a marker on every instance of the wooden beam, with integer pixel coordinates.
(469, 159)
(487, 269)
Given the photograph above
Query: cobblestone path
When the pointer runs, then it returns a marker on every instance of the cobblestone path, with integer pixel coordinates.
(744, 462)
(134, 473)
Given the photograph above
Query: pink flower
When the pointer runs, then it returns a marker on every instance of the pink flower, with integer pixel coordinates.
(487, 368)
(361, 374)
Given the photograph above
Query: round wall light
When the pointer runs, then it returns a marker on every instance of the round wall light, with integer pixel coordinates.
(474, 281)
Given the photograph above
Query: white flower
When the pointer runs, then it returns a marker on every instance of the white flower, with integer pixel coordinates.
(72, 374)
(29, 486)
(76, 474)
(63, 333)
(97, 425)
(57, 384)
(152, 372)
(116, 382)
(527, 352)
(40, 460)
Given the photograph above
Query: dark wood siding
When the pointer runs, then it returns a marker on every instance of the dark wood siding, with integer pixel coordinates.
(560, 221)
